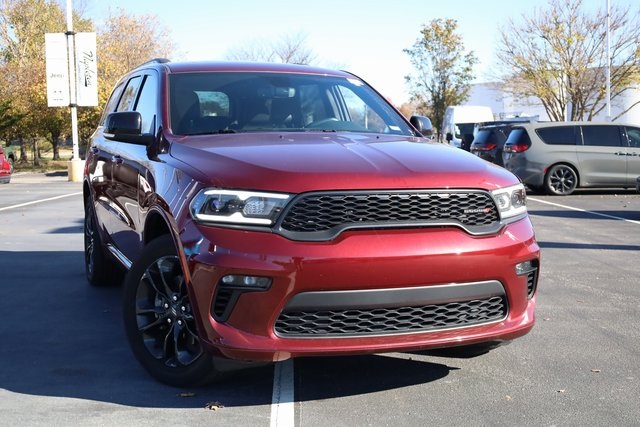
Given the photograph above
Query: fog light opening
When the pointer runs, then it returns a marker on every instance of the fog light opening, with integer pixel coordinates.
(529, 269)
(243, 282)
(526, 267)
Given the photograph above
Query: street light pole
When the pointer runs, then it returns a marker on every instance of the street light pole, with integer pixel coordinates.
(75, 165)
(608, 82)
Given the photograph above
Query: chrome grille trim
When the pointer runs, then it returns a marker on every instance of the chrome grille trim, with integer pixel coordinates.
(321, 216)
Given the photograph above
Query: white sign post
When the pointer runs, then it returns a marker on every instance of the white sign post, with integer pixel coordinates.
(86, 70)
(72, 78)
(57, 67)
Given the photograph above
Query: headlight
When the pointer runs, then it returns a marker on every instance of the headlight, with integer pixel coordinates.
(511, 201)
(214, 205)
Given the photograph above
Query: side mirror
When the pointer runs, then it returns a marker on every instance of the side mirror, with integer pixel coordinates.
(449, 137)
(126, 126)
(422, 125)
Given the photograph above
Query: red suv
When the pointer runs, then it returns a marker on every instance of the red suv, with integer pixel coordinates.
(6, 168)
(270, 211)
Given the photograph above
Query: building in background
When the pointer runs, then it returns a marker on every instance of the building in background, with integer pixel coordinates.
(505, 105)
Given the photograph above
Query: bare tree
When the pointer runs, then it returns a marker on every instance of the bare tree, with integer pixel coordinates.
(288, 49)
(558, 54)
(443, 71)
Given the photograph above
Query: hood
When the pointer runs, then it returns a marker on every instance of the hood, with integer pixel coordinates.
(299, 162)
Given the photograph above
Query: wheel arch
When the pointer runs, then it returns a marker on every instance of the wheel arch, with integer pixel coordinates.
(86, 192)
(156, 225)
(159, 223)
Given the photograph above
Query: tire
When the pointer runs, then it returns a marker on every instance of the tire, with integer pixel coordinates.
(159, 321)
(561, 180)
(100, 269)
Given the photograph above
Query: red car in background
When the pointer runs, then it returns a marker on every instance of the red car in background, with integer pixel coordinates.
(6, 168)
(270, 211)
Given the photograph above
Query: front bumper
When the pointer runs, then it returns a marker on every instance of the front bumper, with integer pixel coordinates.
(395, 265)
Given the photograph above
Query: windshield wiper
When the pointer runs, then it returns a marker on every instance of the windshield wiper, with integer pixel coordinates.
(318, 130)
(214, 132)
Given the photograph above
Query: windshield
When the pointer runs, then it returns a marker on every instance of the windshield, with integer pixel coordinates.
(224, 102)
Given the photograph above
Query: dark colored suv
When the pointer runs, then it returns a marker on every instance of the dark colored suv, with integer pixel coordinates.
(489, 142)
(268, 211)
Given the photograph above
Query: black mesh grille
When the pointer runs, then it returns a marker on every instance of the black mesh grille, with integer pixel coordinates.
(395, 320)
(330, 213)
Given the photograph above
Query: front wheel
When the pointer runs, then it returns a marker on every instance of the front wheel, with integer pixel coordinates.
(561, 180)
(159, 320)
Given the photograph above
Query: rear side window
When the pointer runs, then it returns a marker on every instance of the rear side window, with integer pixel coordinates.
(601, 136)
(129, 94)
(560, 135)
(519, 136)
(111, 104)
(483, 136)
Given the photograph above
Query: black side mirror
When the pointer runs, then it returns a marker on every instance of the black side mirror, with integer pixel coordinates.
(126, 126)
(422, 125)
(449, 137)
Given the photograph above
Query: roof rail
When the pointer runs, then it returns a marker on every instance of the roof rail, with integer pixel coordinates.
(155, 61)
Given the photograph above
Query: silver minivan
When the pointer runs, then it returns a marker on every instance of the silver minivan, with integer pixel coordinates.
(562, 156)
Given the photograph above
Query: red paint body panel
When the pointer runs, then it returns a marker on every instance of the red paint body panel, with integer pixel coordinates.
(299, 162)
(384, 259)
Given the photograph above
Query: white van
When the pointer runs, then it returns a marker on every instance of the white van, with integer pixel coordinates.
(460, 120)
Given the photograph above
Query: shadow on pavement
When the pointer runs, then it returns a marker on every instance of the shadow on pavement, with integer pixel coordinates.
(61, 337)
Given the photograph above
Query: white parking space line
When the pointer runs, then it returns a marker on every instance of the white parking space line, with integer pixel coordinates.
(6, 208)
(584, 211)
(282, 409)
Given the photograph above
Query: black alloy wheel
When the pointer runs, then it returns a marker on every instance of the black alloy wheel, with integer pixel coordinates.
(99, 268)
(159, 320)
(561, 180)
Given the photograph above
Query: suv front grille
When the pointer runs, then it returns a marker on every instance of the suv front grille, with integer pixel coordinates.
(322, 216)
(382, 321)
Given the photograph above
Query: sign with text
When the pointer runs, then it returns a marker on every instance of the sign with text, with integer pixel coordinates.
(57, 69)
(86, 70)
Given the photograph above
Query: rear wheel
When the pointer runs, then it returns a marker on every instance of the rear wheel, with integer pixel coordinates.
(100, 269)
(561, 180)
(159, 320)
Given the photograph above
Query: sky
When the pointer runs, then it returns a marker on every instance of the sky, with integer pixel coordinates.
(366, 38)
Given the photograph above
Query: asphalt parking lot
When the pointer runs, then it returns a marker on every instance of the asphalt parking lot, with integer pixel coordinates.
(64, 358)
